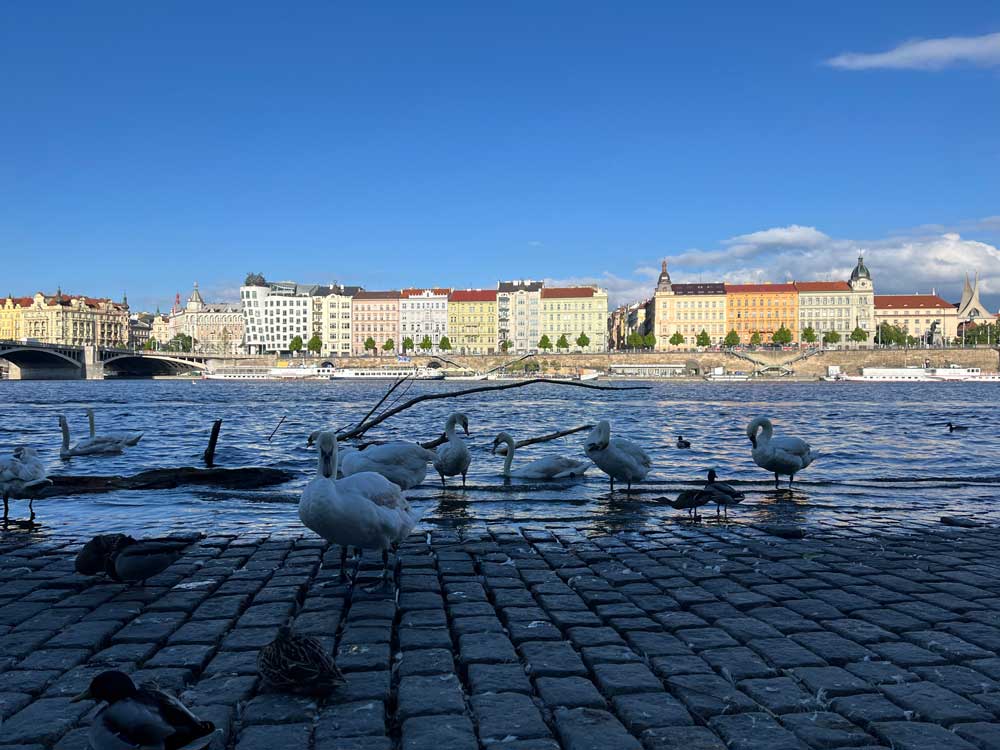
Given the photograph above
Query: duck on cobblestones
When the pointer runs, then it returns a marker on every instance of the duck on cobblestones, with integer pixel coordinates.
(296, 663)
(690, 500)
(128, 560)
(722, 494)
(141, 717)
(363, 510)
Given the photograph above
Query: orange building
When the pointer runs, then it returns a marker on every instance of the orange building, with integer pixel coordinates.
(763, 309)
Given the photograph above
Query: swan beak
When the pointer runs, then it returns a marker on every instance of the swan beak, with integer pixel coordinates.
(465, 426)
(84, 696)
(327, 464)
(493, 450)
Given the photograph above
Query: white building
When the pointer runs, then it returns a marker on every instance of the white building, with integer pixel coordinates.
(275, 313)
(214, 327)
(423, 313)
(518, 316)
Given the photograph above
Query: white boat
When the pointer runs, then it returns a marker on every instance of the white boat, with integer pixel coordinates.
(727, 377)
(301, 373)
(239, 373)
(386, 373)
(952, 374)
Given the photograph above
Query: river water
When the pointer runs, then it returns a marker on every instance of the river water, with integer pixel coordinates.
(885, 457)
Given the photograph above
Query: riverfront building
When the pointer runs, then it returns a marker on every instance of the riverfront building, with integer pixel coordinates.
(10, 317)
(763, 309)
(275, 313)
(688, 309)
(214, 328)
(332, 319)
(75, 320)
(472, 321)
(623, 321)
(375, 315)
(922, 316)
(839, 306)
(423, 313)
(575, 312)
(518, 309)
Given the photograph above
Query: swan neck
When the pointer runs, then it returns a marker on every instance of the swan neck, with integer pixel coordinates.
(65, 434)
(90, 418)
(766, 429)
(449, 428)
(510, 456)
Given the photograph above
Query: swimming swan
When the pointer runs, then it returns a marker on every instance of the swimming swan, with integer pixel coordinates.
(21, 475)
(125, 438)
(363, 510)
(453, 457)
(550, 467)
(618, 458)
(402, 463)
(88, 446)
(782, 455)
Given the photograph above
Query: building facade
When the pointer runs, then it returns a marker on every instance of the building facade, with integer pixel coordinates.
(472, 321)
(140, 330)
(10, 317)
(628, 319)
(687, 309)
(970, 307)
(332, 319)
(839, 306)
(518, 316)
(575, 312)
(275, 313)
(423, 313)
(214, 328)
(922, 316)
(763, 309)
(375, 315)
(76, 320)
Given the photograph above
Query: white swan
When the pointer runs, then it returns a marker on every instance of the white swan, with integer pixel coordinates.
(402, 463)
(550, 467)
(782, 455)
(363, 510)
(88, 446)
(125, 438)
(20, 476)
(453, 457)
(618, 458)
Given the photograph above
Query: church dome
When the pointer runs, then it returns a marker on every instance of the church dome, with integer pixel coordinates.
(861, 270)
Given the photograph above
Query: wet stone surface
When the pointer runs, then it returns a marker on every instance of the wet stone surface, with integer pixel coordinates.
(532, 638)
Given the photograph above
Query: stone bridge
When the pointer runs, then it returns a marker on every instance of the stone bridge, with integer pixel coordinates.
(38, 361)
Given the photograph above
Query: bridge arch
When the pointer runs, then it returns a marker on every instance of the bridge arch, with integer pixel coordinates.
(35, 363)
(136, 365)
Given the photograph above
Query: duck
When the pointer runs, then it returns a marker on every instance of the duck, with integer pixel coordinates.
(93, 556)
(295, 663)
(722, 494)
(550, 467)
(402, 463)
(682, 443)
(955, 427)
(21, 476)
(781, 455)
(453, 457)
(363, 510)
(125, 559)
(88, 446)
(618, 458)
(141, 717)
(125, 438)
(690, 500)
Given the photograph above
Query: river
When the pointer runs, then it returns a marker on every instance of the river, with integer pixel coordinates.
(885, 456)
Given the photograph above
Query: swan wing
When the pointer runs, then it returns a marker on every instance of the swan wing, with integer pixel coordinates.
(792, 445)
(375, 488)
(551, 467)
(633, 452)
(452, 458)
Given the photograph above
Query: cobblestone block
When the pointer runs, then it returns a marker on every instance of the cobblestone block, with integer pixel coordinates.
(423, 638)
(592, 729)
(599, 636)
(536, 630)
(424, 695)
(830, 681)
(832, 647)
(188, 657)
(866, 710)
(915, 735)
(609, 655)
(822, 729)
(707, 695)
(270, 736)
(785, 653)
(619, 679)
(688, 738)
(43, 721)
(503, 716)
(498, 678)
(426, 662)
(754, 731)
(644, 711)
(907, 654)
(361, 686)
(486, 648)
(668, 666)
(569, 692)
(934, 703)
(343, 720)
(225, 689)
(453, 732)
(551, 659)
(880, 672)
(738, 663)
(363, 656)
(658, 644)
(276, 708)
(779, 695)
(981, 734)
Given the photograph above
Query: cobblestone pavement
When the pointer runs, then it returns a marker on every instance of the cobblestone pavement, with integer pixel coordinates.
(700, 638)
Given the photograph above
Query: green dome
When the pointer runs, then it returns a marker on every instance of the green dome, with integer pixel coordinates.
(861, 270)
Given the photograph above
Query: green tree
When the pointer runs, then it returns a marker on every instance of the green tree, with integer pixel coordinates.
(703, 338)
(583, 340)
(859, 335)
(831, 337)
(389, 345)
(677, 339)
(255, 279)
(563, 342)
(426, 344)
(407, 344)
(809, 335)
(315, 344)
(782, 336)
(634, 340)
(505, 345)
(180, 343)
(732, 338)
(150, 345)
(649, 341)
(370, 344)
(543, 343)
(295, 345)
(444, 344)
(755, 338)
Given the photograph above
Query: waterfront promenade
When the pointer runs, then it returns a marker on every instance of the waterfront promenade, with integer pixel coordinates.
(702, 637)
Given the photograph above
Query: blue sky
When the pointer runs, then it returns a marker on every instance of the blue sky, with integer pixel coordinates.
(146, 146)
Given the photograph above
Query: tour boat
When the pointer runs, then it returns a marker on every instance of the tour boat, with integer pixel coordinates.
(239, 373)
(386, 373)
(952, 374)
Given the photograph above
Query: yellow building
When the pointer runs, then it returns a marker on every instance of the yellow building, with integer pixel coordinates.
(332, 313)
(572, 311)
(922, 316)
(10, 317)
(472, 321)
(763, 309)
(687, 309)
(76, 320)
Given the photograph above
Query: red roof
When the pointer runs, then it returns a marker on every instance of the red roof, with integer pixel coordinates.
(911, 302)
(473, 295)
(20, 301)
(418, 292)
(760, 288)
(377, 295)
(822, 286)
(567, 291)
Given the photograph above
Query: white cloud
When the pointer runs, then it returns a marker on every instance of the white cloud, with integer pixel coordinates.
(917, 261)
(926, 54)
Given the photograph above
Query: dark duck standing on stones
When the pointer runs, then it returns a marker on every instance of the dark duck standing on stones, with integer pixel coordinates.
(141, 718)
(690, 500)
(300, 664)
(722, 494)
(128, 560)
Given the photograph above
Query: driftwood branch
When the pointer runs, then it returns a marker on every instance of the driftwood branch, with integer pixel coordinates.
(552, 436)
(381, 401)
(248, 477)
(362, 428)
